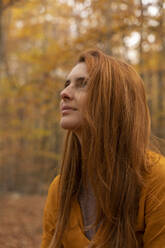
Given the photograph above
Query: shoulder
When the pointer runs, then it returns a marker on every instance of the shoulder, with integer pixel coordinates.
(52, 198)
(50, 213)
(157, 172)
(155, 183)
(154, 203)
(54, 184)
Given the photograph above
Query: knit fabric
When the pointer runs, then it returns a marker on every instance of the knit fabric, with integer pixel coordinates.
(150, 228)
(87, 203)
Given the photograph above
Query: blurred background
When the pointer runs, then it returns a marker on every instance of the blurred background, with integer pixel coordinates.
(39, 43)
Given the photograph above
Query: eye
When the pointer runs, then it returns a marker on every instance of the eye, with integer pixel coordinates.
(85, 81)
(66, 83)
(81, 82)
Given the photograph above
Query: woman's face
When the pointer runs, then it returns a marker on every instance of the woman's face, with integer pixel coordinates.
(73, 98)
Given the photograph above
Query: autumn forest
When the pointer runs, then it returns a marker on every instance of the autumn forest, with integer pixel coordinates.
(39, 42)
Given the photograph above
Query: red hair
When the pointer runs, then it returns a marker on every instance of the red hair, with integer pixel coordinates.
(113, 153)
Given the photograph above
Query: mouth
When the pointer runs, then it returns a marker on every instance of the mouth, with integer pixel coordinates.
(67, 109)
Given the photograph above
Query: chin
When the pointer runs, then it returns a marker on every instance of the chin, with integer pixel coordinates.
(68, 125)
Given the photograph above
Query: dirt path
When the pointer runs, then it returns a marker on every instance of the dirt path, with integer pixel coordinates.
(21, 221)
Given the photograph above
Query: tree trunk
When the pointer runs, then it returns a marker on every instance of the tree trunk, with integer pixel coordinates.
(141, 61)
(1, 35)
(161, 117)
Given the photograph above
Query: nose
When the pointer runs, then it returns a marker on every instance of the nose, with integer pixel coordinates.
(66, 94)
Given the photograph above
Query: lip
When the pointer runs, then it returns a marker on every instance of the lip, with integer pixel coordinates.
(67, 108)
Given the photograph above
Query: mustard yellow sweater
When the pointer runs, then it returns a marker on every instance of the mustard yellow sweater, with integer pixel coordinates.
(150, 220)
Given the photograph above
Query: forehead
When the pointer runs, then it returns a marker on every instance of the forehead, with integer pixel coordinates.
(79, 70)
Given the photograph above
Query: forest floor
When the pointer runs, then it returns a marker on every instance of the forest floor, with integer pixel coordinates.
(21, 220)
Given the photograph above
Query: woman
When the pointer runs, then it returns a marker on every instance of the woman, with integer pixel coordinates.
(111, 188)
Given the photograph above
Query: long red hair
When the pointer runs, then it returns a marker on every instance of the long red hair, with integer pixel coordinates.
(113, 152)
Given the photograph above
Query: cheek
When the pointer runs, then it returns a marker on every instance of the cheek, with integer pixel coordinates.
(81, 101)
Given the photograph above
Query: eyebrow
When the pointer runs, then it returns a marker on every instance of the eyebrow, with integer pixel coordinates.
(77, 79)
